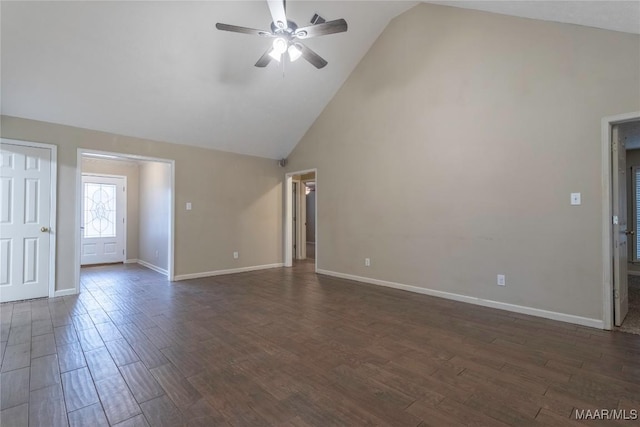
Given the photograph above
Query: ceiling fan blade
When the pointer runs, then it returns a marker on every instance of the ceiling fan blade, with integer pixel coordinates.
(278, 14)
(264, 59)
(315, 59)
(243, 30)
(331, 27)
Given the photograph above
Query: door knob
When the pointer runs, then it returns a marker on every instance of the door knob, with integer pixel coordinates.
(44, 229)
(631, 232)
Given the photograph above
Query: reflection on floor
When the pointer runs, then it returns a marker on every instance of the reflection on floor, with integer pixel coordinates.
(631, 323)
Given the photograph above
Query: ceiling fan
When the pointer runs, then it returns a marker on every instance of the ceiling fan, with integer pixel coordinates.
(287, 36)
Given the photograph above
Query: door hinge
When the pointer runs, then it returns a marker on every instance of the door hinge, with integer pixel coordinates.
(123, 252)
(616, 294)
(123, 220)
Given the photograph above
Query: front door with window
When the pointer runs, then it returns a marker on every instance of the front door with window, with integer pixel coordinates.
(103, 219)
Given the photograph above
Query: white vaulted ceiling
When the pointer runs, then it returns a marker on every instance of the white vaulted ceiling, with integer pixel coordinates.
(160, 69)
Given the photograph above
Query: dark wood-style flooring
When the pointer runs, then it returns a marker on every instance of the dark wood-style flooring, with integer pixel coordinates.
(288, 347)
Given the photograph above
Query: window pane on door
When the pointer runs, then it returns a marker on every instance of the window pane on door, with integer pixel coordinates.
(99, 210)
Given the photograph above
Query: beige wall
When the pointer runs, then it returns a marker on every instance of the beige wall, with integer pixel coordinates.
(237, 199)
(155, 192)
(130, 170)
(449, 154)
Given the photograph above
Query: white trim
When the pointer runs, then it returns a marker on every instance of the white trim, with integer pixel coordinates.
(131, 261)
(229, 271)
(607, 201)
(172, 211)
(53, 208)
(569, 318)
(153, 267)
(64, 293)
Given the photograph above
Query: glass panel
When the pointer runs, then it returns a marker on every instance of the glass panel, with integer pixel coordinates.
(99, 210)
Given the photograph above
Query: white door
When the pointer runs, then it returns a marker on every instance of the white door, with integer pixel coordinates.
(25, 215)
(103, 220)
(620, 250)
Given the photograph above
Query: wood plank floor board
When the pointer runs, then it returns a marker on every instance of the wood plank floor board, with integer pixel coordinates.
(141, 382)
(45, 371)
(16, 416)
(101, 364)
(47, 407)
(19, 334)
(162, 412)
(79, 389)
(71, 357)
(16, 357)
(118, 402)
(82, 322)
(175, 385)
(43, 345)
(15, 388)
(89, 416)
(121, 352)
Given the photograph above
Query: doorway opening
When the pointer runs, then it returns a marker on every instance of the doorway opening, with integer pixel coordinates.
(301, 218)
(619, 141)
(628, 135)
(125, 211)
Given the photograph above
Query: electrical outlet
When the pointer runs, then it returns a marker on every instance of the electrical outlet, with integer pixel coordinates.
(236, 255)
(502, 281)
(367, 262)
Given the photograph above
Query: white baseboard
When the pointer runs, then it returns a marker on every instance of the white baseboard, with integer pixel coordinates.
(633, 273)
(153, 267)
(130, 261)
(562, 317)
(64, 292)
(229, 271)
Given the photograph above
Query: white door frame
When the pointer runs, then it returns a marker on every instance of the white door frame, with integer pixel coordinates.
(607, 214)
(172, 210)
(126, 195)
(288, 217)
(53, 208)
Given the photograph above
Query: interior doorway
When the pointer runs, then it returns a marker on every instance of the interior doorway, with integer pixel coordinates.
(618, 228)
(147, 211)
(628, 135)
(301, 218)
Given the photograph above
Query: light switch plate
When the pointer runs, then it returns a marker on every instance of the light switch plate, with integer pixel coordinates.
(188, 206)
(576, 199)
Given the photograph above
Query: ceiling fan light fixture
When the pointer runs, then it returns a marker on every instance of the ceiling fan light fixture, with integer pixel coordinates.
(279, 47)
(294, 52)
(275, 55)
